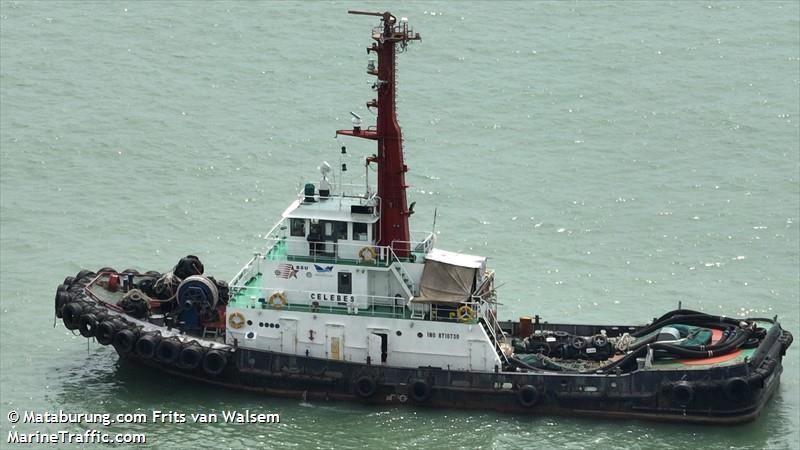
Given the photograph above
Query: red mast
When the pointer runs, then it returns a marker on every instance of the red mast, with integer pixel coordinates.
(392, 227)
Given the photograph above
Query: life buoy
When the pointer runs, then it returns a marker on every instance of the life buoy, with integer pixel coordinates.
(366, 386)
(419, 390)
(146, 345)
(465, 313)
(277, 300)
(528, 396)
(367, 254)
(737, 389)
(124, 341)
(191, 356)
(214, 362)
(236, 320)
(682, 393)
(168, 350)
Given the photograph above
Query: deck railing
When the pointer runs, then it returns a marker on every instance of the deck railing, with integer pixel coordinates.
(371, 305)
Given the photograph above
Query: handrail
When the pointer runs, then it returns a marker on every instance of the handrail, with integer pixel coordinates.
(253, 261)
(397, 310)
(408, 289)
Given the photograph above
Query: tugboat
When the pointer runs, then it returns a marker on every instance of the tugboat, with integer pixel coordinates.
(346, 303)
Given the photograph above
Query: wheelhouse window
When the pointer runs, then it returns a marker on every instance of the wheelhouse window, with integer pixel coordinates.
(360, 231)
(297, 227)
(340, 230)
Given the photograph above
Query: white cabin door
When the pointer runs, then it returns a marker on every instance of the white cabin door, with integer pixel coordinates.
(374, 348)
(477, 355)
(288, 335)
(334, 341)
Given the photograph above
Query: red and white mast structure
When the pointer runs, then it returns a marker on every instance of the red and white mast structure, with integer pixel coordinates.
(392, 227)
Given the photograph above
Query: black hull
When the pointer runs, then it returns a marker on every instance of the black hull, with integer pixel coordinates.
(721, 394)
(647, 395)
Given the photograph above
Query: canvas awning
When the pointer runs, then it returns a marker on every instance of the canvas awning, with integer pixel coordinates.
(448, 277)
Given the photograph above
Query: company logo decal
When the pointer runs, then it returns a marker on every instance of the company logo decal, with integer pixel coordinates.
(286, 271)
(320, 269)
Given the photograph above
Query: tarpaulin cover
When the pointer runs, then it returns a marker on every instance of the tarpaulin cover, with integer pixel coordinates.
(446, 283)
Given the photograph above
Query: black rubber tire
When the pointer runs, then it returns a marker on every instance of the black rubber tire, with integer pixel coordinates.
(68, 281)
(528, 396)
(168, 351)
(214, 362)
(366, 387)
(88, 325)
(107, 269)
(133, 271)
(682, 393)
(419, 390)
(578, 343)
(83, 274)
(124, 341)
(191, 357)
(62, 298)
(105, 332)
(737, 389)
(599, 340)
(147, 344)
(153, 273)
(71, 314)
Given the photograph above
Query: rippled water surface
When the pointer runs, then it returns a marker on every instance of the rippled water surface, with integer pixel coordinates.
(611, 159)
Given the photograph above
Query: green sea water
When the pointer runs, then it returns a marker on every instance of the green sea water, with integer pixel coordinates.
(610, 158)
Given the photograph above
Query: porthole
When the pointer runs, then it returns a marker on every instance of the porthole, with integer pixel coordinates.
(399, 333)
(277, 325)
(249, 322)
(419, 335)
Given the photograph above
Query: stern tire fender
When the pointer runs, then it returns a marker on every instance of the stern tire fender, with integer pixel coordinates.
(214, 362)
(682, 393)
(366, 386)
(419, 390)
(191, 357)
(737, 389)
(105, 332)
(71, 313)
(87, 325)
(124, 340)
(147, 344)
(528, 396)
(168, 350)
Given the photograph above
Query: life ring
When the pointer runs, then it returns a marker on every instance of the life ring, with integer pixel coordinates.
(277, 300)
(214, 362)
(465, 313)
(419, 391)
(682, 393)
(737, 389)
(366, 387)
(367, 254)
(528, 396)
(236, 320)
